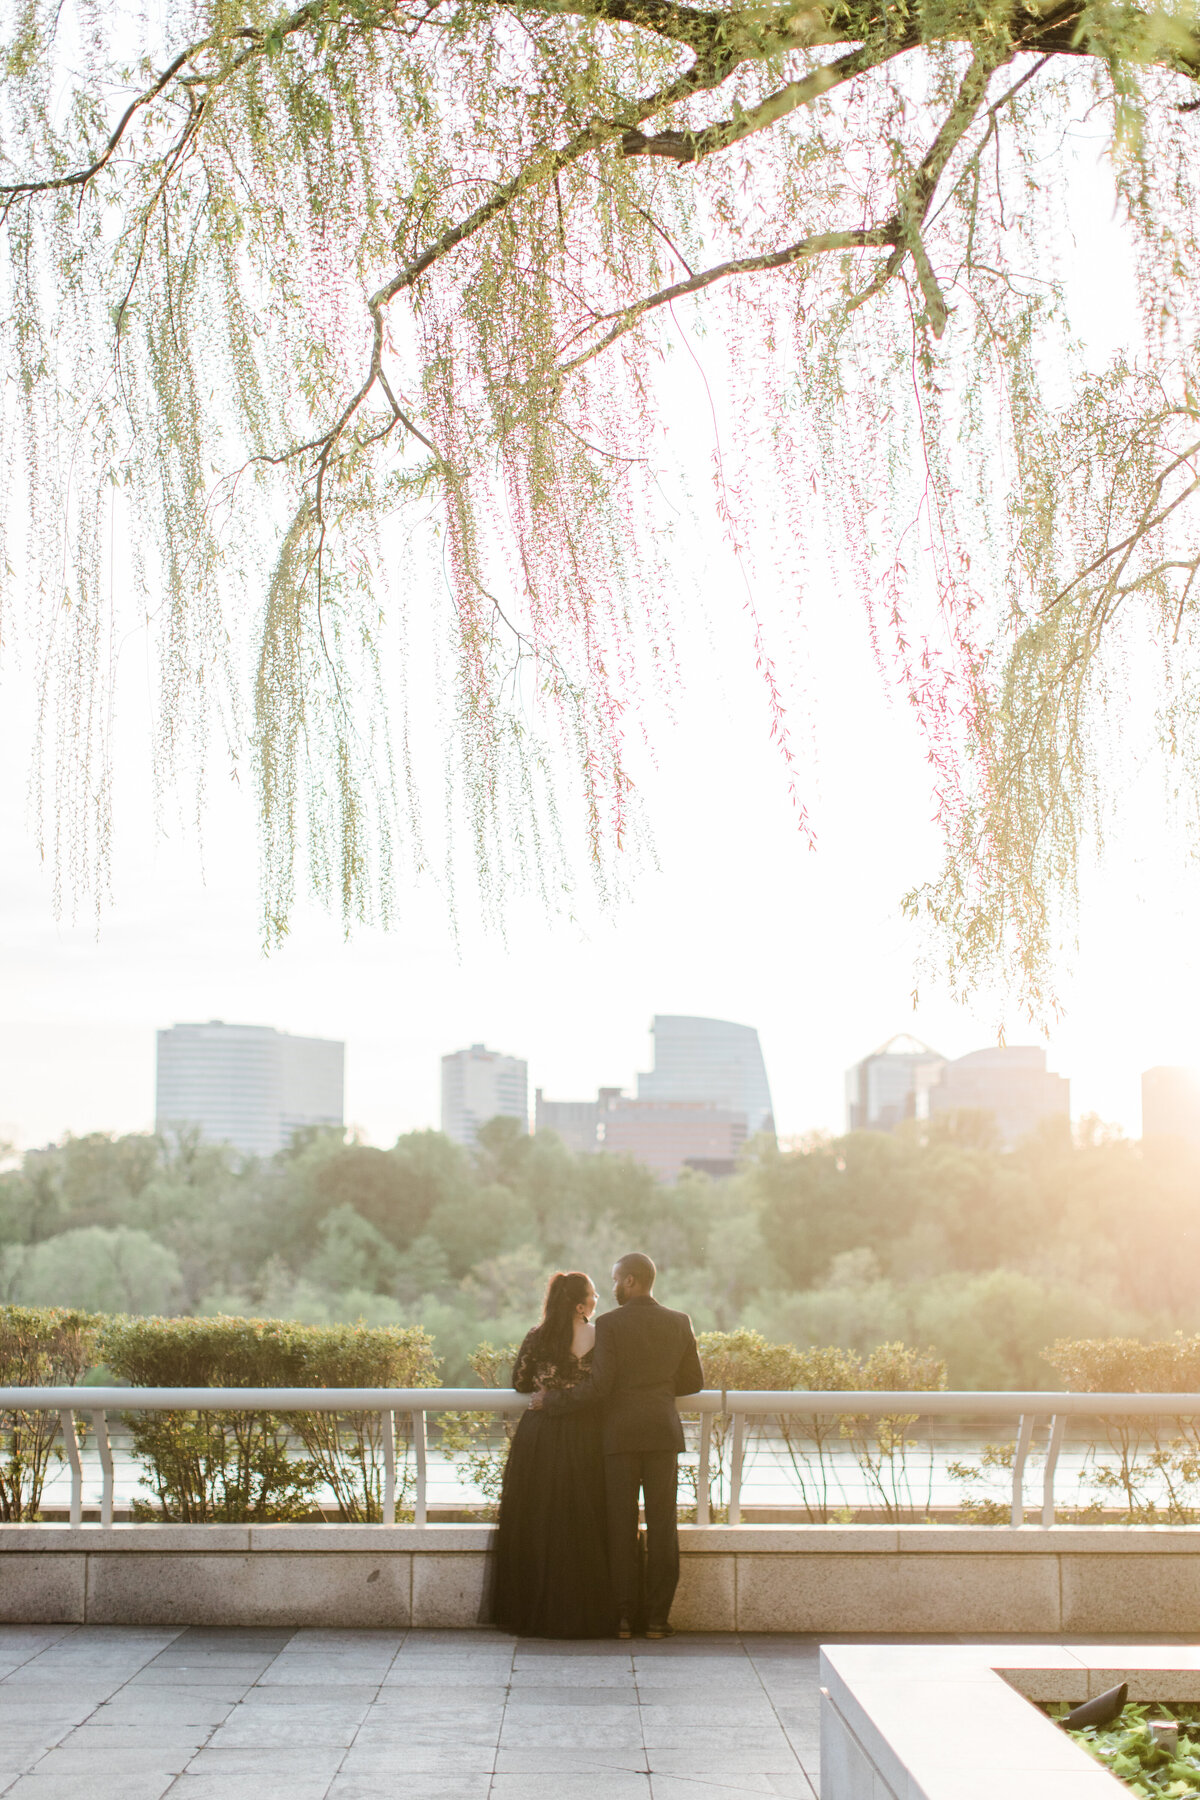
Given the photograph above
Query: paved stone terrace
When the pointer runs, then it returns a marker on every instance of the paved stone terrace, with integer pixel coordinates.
(132, 1713)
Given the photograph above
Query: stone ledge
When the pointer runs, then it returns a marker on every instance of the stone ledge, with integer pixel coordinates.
(93, 1539)
(695, 1540)
(755, 1578)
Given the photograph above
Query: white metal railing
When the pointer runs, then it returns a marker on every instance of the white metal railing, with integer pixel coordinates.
(1027, 1408)
(739, 1406)
(97, 1402)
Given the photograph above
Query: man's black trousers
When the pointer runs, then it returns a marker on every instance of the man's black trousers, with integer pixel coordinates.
(655, 1474)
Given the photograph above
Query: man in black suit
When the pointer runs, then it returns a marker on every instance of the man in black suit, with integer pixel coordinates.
(645, 1355)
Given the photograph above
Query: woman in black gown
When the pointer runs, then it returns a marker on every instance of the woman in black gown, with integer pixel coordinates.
(551, 1567)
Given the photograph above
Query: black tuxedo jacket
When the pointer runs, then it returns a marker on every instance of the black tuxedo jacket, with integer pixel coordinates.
(645, 1355)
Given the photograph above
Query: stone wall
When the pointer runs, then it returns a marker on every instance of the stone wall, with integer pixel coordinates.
(820, 1578)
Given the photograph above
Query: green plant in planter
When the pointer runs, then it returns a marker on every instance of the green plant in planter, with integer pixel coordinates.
(40, 1346)
(1128, 1749)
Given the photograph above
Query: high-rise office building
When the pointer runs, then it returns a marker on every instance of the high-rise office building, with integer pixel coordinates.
(1171, 1104)
(247, 1085)
(712, 1062)
(891, 1085)
(480, 1084)
(1011, 1082)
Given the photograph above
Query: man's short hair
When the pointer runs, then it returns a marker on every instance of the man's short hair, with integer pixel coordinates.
(634, 1264)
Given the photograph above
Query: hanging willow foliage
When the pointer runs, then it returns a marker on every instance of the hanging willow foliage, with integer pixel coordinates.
(288, 290)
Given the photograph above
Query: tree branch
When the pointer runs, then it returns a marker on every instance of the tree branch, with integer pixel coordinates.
(691, 146)
(804, 248)
(1146, 523)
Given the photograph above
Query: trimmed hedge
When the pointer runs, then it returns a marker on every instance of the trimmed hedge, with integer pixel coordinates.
(225, 1466)
(260, 1465)
(40, 1346)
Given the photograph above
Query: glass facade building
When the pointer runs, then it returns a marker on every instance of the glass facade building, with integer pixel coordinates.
(891, 1085)
(247, 1085)
(713, 1062)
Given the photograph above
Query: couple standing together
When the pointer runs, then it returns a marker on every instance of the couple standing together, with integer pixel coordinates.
(601, 1430)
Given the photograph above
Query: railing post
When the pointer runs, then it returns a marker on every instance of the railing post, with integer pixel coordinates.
(703, 1514)
(100, 1426)
(1057, 1427)
(389, 1468)
(66, 1419)
(1024, 1439)
(421, 1508)
(735, 1468)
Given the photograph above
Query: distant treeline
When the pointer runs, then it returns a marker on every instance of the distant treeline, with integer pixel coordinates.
(932, 1236)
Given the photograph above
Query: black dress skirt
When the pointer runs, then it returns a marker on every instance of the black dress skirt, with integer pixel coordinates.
(550, 1573)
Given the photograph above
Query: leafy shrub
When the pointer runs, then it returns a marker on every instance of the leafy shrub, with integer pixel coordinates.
(1154, 1463)
(347, 1448)
(739, 1359)
(880, 1443)
(978, 1507)
(40, 1346)
(231, 1466)
(483, 1438)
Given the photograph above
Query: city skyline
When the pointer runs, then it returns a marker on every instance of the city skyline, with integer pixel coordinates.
(973, 1063)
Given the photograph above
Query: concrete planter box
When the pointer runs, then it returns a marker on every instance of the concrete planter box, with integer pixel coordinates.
(953, 1722)
(802, 1578)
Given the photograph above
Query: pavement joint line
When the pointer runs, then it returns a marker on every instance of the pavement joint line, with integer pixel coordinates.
(508, 1684)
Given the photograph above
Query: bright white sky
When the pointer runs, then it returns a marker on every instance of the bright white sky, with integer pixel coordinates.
(739, 920)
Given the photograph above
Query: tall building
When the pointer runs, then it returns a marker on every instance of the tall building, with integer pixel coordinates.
(713, 1062)
(1011, 1082)
(478, 1085)
(891, 1085)
(669, 1136)
(247, 1085)
(1171, 1104)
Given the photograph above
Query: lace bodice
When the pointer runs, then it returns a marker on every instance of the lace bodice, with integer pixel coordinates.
(530, 1371)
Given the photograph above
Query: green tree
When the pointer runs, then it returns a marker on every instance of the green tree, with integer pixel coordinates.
(423, 1268)
(379, 1185)
(350, 1253)
(992, 1328)
(480, 1225)
(95, 1269)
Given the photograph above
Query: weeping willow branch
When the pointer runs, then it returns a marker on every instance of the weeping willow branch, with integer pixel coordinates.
(291, 293)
